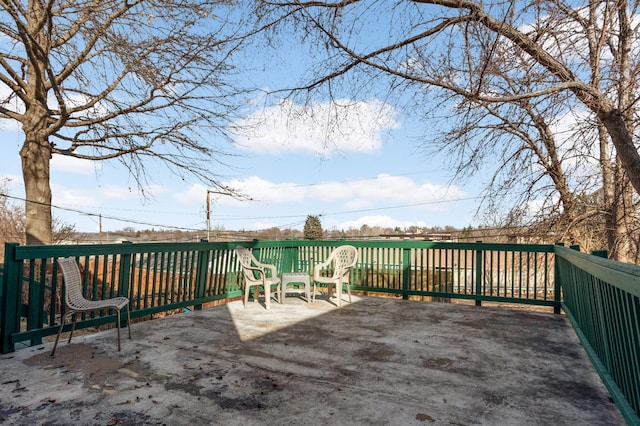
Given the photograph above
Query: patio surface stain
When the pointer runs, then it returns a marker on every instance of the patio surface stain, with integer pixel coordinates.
(376, 361)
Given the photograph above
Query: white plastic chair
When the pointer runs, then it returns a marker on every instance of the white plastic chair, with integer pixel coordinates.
(76, 302)
(343, 259)
(257, 275)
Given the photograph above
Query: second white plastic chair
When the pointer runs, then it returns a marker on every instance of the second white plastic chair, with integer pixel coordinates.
(343, 259)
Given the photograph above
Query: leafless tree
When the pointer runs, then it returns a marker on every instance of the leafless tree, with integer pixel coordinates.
(506, 72)
(11, 219)
(558, 183)
(12, 222)
(132, 81)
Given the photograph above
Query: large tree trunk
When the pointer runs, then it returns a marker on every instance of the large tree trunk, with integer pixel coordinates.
(36, 157)
(622, 210)
(608, 192)
(36, 151)
(620, 134)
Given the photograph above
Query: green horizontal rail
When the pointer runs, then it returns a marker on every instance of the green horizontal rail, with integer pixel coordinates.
(602, 300)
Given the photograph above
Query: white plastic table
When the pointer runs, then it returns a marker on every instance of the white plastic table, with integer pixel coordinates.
(295, 277)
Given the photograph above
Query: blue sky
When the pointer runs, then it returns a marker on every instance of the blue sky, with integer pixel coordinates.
(373, 174)
(365, 167)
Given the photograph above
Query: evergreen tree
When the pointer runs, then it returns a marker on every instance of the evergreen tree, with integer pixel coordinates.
(312, 228)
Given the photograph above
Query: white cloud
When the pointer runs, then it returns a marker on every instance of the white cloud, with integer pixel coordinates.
(351, 195)
(195, 193)
(64, 196)
(268, 204)
(321, 128)
(384, 191)
(387, 189)
(10, 125)
(251, 189)
(66, 164)
(12, 181)
(260, 190)
(95, 198)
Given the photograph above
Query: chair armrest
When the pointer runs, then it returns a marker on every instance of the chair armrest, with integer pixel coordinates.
(258, 269)
(263, 266)
(320, 266)
(274, 271)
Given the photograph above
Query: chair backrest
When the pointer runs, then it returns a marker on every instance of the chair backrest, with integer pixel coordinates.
(245, 257)
(247, 261)
(345, 256)
(72, 282)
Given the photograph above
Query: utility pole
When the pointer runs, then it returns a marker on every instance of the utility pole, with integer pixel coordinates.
(209, 192)
(208, 215)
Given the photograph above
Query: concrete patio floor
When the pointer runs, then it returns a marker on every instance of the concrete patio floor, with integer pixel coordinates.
(376, 361)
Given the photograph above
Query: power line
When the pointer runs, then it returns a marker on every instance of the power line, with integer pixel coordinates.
(237, 218)
(475, 231)
(402, 206)
(223, 218)
(87, 213)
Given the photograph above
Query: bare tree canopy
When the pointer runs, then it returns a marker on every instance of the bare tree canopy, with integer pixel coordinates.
(546, 91)
(132, 81)
(12, 221)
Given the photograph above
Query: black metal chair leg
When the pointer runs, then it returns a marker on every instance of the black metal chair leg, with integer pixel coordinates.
(118, 326)
(55, 345)
(74, 318)
(129, 322)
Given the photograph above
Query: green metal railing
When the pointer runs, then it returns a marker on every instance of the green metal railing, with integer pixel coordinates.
(155, 277)
(602, 301)
(600, 296)
(160, 277)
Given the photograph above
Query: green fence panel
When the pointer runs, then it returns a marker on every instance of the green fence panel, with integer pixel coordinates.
(163, 277)
(602, 300)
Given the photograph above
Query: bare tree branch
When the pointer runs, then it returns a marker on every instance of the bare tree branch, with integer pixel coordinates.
(500, 77)
(127, 81)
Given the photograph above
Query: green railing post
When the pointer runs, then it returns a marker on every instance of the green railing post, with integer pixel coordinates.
(289, 260)
(557, 284)
(202, 274)
(11, 298)
(406, 272)
(478, 274)
(601, 253)
(124, 280)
